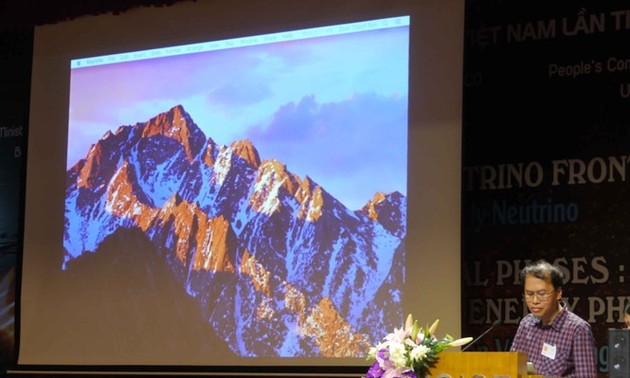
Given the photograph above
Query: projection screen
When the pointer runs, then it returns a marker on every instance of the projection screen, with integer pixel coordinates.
(230, 185)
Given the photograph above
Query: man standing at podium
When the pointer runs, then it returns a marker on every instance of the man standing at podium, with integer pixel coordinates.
(557, 341)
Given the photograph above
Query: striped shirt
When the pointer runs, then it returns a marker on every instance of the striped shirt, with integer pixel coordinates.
(565, 348)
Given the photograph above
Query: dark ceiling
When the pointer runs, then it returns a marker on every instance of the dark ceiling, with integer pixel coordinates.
(25, 14)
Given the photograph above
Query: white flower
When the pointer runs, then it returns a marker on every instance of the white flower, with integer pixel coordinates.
(398, 354)
(460, 342)
(373, 352)
(399, 335)
(418, 353)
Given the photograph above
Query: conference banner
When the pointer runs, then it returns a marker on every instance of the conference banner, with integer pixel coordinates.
(546, 161)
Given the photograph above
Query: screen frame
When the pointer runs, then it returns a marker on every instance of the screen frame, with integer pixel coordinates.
(436, 27)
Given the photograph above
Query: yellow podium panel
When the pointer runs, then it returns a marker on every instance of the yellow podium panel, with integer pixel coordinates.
(480, 364)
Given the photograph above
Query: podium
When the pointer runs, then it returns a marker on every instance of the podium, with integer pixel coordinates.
(481, 364)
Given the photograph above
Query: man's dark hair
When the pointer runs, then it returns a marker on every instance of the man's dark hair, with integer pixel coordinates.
(543, 270)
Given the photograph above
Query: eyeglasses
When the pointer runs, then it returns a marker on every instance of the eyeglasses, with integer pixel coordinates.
(540, 295)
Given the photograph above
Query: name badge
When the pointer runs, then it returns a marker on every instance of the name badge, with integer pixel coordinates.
(549, 351)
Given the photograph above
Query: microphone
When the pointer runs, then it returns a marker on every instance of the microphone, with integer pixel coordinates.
(496, 323)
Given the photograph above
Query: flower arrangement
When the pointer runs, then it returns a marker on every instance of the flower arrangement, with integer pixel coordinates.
(409, 352)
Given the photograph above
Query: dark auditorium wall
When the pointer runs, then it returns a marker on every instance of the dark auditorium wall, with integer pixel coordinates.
(15, 61)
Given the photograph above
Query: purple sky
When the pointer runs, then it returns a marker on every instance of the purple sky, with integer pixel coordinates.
(333, 108)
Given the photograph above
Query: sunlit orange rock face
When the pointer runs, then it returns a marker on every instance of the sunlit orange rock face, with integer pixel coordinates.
(278, 252)
(333, 333)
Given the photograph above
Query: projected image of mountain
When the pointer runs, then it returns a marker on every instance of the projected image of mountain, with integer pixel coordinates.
(277, 265)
